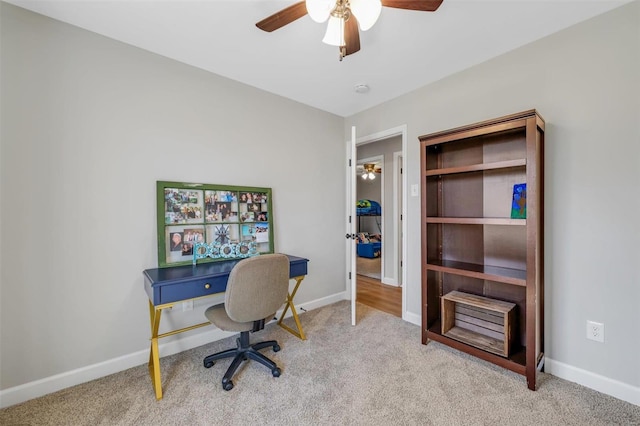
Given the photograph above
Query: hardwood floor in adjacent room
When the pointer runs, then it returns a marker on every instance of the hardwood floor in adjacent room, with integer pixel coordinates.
(386, 298)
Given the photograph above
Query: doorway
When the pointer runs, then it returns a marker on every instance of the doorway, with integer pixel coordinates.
(370, 185)
(379, 195)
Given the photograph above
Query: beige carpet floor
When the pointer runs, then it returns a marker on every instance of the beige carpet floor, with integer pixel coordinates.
(377, 373)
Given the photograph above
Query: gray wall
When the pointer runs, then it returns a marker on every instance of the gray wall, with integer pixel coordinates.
(584, 81)
(88, 126)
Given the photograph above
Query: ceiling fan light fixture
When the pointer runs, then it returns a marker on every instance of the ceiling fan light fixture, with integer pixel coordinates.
(319, 10)
(366, 11)
(335, 31)
(346, 18)
(369, 171)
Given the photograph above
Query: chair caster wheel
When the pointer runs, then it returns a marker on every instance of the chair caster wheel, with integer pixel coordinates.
(276, 348)
(276, 372)
(208, 364)
(228, 385)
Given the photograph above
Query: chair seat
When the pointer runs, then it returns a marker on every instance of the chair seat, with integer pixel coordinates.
(218, 315)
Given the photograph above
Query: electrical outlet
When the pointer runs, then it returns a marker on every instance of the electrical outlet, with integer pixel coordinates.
(187, 306)
(595, 331)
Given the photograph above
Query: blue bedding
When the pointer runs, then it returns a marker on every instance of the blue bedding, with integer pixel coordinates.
(368, 208)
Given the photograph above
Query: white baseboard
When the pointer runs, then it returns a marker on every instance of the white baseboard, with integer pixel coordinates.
(318, 303)
(37, 388)
(390, 281)
(593, 381)
(585, 378)
(415, 319)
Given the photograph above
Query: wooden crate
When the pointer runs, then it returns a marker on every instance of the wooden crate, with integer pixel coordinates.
(485, 323)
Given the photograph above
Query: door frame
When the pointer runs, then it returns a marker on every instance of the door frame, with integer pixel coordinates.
(379, 158)
(398, 215)
(350, 259)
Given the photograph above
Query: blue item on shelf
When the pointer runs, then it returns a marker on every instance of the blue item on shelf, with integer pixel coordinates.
(369, 250)
(368, 208)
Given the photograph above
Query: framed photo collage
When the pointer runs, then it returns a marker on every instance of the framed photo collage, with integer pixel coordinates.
(229, 221)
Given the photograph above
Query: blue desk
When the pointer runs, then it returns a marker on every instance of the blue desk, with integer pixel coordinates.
(168, 286)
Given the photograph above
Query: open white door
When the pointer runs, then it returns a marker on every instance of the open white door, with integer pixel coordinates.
(351, 221)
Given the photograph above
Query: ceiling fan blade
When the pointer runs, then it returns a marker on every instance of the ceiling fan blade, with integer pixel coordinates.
(283, 17)
(424, 5)
(351, 36)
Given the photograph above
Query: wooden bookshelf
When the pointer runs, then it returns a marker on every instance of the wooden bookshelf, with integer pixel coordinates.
(472, 246)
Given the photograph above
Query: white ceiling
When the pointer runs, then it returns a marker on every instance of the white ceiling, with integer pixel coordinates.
(402, 52)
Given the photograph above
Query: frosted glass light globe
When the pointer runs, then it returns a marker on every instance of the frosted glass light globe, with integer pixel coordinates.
(335, 32)
(319, 10)
(366, 12)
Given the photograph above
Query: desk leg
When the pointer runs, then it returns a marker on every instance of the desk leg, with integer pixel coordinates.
(299, 333)
(154, 355)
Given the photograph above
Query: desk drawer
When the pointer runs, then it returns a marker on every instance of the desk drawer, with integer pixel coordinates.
(191, 289)
(297, 269)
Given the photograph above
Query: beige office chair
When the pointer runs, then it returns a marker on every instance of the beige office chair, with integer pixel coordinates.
(257, 287)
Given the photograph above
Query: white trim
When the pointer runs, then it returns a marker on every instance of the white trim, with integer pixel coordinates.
(397, 188)
(593, 381)
(385, 134)
(405, 250)
(349, 226)
(352, 215)
(375, 137)
(318, 303)
(412, 318)
(377, 158)
(35, 389)
(392, 281)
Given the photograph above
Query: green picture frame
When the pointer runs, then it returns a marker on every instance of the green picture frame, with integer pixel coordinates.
(196, 213)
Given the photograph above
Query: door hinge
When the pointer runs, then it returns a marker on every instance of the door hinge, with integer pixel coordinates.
(349, 162)
(349, 219)
(349, 275)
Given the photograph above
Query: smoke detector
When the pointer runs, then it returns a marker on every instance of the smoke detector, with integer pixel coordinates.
(361, 88)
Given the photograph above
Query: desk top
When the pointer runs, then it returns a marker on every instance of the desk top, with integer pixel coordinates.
(176, 283)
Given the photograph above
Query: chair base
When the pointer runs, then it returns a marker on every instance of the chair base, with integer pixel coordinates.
(242, 352)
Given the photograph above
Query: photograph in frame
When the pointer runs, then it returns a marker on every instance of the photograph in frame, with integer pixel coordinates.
(180, 240)
(221, 206)
(262, 232)
(182, 205)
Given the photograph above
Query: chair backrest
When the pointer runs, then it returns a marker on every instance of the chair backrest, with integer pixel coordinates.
(257, 287)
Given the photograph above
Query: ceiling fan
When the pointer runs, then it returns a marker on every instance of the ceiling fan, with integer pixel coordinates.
(368, 170)
(342, 29)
